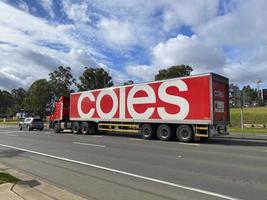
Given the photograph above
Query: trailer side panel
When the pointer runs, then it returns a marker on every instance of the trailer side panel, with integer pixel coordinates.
(180, 100)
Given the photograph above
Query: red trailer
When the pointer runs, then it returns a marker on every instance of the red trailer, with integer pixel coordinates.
(187, 107)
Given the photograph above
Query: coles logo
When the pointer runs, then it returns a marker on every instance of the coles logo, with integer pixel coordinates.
(157, 100)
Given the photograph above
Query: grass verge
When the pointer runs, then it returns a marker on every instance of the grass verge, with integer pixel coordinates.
(256, 115)
(7, 178)
(8, 123)
(248, 130)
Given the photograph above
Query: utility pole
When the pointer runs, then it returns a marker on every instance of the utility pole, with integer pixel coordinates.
(258, 81)
(241, 110)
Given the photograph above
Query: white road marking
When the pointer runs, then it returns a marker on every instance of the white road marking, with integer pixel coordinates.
(6, 132)
(98, 136)
(136, 139)
(126, 173)
(179, 156)
(11, 135)
(87, 144)
(189, 144)
(266, 151)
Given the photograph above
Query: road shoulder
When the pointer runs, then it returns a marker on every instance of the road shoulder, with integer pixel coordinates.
(31, 188)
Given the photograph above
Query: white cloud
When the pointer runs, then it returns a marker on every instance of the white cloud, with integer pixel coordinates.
(143, 72)
(48, 6)
(189, 51)
(181, 50)
(32, 49)
(32, 29)
(243, 32)
(23, 5)
(188, 13)
(117, 32)
(245, 24)
(78, 12)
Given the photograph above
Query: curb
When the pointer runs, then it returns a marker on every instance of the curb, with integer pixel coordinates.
(243, 138)
(31, 188)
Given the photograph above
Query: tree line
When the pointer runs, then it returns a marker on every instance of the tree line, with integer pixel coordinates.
(42, 94)
(245, 97)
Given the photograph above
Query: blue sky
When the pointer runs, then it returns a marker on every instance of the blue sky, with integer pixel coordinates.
(132, 39)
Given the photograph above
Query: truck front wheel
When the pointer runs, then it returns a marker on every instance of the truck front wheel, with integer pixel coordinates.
(75, 128)
(56, 128)
(147, 131)
(185, 133)
(164, 132)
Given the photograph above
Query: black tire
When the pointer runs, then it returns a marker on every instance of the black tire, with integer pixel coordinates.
(147, 131)
(29, 128)
(164, 132)
(75, 128)
(20, 128)
(185, 133)
(84, 128)
(41, 129)
(56, 127)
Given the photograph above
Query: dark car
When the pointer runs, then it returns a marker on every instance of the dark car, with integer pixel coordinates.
(31, 123)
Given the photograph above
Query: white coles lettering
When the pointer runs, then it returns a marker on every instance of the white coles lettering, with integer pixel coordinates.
(176, 100)
(114, 108)
(81, 98)
(122, 103)
(131, 101)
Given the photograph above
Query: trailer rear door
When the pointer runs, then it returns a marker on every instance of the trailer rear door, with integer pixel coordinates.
(220, 99)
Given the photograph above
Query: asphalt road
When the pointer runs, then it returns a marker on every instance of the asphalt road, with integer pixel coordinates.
(122, 167)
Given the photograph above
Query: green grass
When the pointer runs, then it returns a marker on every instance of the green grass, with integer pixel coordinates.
(256, 115)
(9, 122)
(248, 130)
(7, 178)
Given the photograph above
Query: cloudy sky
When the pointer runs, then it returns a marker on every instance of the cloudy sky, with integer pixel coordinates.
(132, 39)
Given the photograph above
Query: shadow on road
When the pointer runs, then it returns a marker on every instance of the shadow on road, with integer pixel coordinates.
(235, 142)
(8, 153)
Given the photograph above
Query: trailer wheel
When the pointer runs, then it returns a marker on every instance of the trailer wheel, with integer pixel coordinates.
(84, 128)
(147, 131)
(164, 132)
(56, 128)
(75, 128)
(184, 133)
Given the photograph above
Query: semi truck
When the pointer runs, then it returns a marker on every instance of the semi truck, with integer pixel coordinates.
(186, 108)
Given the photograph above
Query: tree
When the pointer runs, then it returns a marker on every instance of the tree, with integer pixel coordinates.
(6, 103)
(18, 96)
(94, 78)
(173, 72)
(249, 95)
(234, 96)
(38, 98)
(61, 81)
